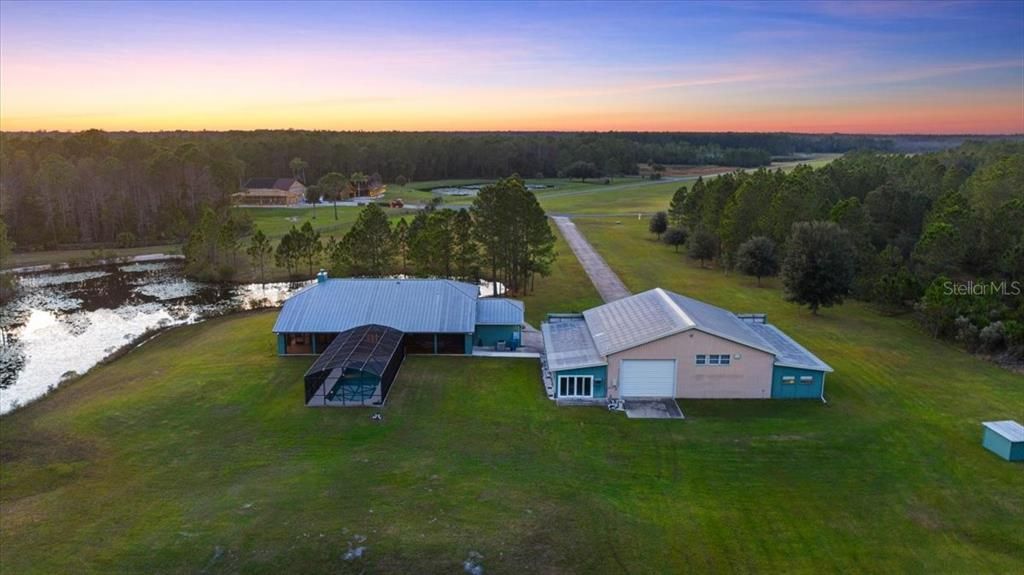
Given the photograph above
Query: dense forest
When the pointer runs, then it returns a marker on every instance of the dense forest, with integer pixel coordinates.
(941, 234)
(505, 236)
(121, 189)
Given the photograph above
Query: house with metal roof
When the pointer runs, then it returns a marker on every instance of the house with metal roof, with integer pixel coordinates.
(663, 344)
(431, 316)
(435, 315)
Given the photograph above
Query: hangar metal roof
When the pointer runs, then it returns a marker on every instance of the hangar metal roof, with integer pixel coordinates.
(408, 305)
(499, 311)
(657, 313)
(788, 353)
(635, 320)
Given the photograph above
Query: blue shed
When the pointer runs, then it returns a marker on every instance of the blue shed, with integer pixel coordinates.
(1005, 439)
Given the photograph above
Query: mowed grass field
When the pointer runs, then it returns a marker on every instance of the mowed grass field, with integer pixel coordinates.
(194, 453)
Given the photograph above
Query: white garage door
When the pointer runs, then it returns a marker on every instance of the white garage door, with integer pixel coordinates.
(647, 378)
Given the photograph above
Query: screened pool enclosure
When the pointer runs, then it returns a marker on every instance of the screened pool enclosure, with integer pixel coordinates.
(357, 368)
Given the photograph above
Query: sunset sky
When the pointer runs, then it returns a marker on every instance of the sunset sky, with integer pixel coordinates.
(892, 67)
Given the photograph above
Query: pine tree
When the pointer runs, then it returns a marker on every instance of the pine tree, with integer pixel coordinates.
(677, 208)
(258, 251)
(400, 241)
(367, 245)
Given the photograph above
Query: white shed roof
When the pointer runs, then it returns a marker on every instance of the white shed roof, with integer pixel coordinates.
(1008, 428)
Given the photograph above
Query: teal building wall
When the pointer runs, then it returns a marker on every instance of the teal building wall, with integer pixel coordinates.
(797, 390)
(490, 335)
(599, 373)
(1002, 446)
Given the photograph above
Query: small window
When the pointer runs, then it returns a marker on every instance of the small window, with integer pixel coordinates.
(701, 359)
(788, 380)
(712, 359)
(724, 359)
(806, 379)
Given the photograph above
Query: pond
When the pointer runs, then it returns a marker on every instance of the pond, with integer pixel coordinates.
(474, 189)
(62, 323)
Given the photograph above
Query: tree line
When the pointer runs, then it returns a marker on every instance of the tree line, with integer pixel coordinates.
(906, 233)
(503, 236)
(124, 189)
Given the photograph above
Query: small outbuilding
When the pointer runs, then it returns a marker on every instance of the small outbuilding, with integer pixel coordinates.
(1005, 439)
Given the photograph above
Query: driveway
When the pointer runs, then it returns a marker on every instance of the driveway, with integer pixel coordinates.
(652, 409)
(608, 285)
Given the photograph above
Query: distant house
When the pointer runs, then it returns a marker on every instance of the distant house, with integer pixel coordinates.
(659, 344)
(371, 188)
(271, 192)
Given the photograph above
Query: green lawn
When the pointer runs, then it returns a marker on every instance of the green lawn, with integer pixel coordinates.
(275, 222)
(194, 452)
(623, 199)
(74, 257)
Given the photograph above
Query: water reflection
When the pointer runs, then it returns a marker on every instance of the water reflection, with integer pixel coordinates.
(64, 323)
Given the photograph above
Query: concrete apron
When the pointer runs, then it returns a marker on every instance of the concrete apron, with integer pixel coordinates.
(652, 409)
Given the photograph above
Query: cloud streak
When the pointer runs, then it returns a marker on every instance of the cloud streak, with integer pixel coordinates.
(498, 66)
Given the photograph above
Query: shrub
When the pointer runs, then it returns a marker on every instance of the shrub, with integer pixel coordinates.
(658, 224)
(703, 246)
(966, 333)
(992, 337)
(126, 240)
(756, 257)
(675, 237)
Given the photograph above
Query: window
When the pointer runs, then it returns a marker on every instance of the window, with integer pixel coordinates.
(788, 380)
(714, 359)
(575, 386)
(806, 379)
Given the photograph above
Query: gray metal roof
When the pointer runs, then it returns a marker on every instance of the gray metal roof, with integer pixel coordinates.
(1008, 428)
(409, 305)
(499, 311)
(568, 345)
(635, 320)
(788, 353)
(657, 313)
